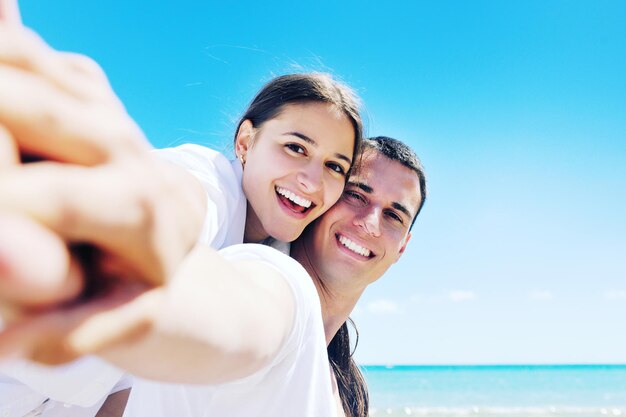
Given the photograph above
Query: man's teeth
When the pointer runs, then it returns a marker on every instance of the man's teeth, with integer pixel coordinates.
(354, 247)
(291, 196)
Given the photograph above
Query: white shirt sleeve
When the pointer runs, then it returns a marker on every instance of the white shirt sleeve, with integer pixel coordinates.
(306, 299)
(221, 179)
(81, 383)
(296, 383)
(87, 382)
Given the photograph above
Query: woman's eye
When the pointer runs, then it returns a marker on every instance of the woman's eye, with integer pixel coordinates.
(337, 168)
(294, 147)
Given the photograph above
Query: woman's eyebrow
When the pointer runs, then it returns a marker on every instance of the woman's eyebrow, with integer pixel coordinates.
(314, 143)
(301, 136)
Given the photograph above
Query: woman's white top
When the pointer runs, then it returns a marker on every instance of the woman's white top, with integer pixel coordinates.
(296, 383)
(80, 388)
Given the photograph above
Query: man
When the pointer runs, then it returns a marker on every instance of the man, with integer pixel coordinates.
(360, 237)
(354, 244)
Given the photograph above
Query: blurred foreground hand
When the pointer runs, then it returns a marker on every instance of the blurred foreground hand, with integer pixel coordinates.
(95, 184)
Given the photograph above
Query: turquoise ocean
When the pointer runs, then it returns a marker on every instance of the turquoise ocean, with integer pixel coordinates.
(538, 390)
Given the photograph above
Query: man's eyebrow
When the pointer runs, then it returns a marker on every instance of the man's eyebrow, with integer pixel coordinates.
(314, 143)
(361, 186)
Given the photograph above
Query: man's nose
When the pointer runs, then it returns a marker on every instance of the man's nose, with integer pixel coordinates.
(370, 221)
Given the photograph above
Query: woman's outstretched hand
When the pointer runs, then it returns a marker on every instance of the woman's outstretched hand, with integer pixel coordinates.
(95, 183)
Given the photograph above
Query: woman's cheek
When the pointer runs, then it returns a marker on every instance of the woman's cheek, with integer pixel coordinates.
(336, 191)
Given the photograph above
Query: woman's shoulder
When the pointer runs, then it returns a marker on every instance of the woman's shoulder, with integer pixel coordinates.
(193, 154)
(220, 180)
(290, 270)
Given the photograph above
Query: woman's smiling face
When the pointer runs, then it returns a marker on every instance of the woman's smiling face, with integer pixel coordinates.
(295, 168)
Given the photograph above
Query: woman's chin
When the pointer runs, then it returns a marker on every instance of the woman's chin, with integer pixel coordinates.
(285, 234)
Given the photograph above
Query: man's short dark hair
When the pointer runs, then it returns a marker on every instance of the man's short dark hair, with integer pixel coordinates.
(398, 151)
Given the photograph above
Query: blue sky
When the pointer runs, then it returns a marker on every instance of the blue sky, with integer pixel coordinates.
(517, 109)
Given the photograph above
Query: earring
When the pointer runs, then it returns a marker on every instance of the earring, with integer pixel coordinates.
(241, 159)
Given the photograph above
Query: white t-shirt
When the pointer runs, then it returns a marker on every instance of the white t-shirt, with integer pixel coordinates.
(226, 203)
(296, 383)
(81, 387)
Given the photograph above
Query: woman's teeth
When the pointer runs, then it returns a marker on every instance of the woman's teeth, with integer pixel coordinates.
(354, 247)
(294, 198)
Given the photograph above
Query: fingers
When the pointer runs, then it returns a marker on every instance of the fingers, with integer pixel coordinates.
(58, 337)
(60, 105)
(71, 200)
(143, 211)
(104, 206)
(35, 270)
(72, 73)
(53, 125)
(35, 267)
(79, 64)
(9, 156)
(34, 112)
(10, 12)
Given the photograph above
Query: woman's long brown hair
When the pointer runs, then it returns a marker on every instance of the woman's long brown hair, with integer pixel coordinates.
(350, 381)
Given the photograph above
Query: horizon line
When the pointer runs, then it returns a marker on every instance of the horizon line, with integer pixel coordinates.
(486, 365)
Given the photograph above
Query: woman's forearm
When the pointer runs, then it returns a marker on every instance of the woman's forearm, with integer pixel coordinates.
(215, 321)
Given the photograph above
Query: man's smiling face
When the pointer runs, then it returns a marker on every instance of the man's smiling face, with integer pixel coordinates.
(362, 235)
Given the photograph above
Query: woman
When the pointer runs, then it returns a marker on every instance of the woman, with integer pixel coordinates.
(291, 173)
(295, 145)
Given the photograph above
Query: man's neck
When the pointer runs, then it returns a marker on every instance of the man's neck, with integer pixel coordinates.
(336, 309)
(336, 304)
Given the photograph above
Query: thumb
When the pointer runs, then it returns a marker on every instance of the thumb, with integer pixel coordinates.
(36, 269)
(60, 336)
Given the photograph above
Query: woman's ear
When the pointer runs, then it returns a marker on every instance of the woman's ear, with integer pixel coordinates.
(244, 139)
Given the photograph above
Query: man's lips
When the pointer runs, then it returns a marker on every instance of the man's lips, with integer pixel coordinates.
(354, 247)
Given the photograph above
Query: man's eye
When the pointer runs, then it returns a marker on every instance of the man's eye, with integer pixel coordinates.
(337, 168)
(395, 217)
(294, 147)
(354, 197)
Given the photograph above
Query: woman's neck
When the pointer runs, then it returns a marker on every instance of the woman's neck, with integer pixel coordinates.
(254, 231)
